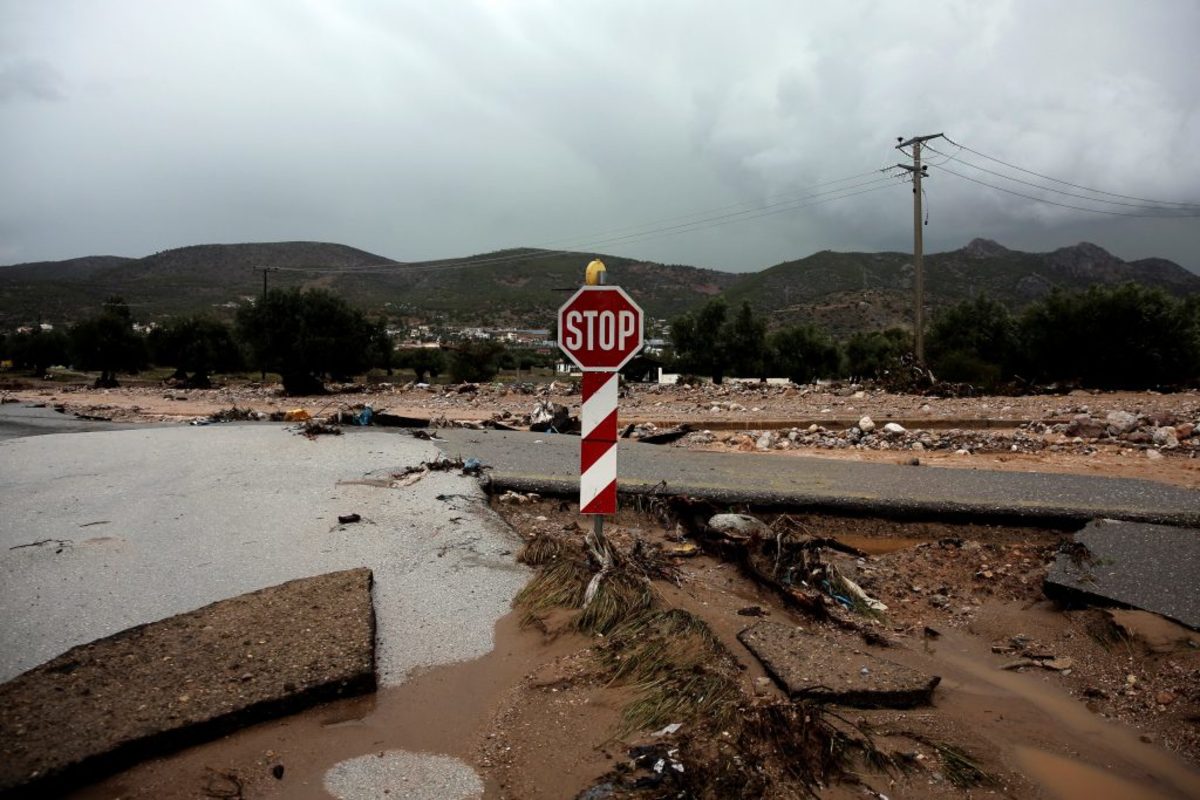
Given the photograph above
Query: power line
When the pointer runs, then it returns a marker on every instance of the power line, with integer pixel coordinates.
(1068, 183)
(1049, 188)
(1064, 205)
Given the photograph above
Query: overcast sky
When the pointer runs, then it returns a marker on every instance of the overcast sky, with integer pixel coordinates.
(439, 129)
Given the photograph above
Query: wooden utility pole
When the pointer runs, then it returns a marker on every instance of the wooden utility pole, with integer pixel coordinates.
(918, 172)
(265, 270)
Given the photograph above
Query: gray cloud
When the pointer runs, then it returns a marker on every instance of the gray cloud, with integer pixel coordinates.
(434, 130)
(27, 78)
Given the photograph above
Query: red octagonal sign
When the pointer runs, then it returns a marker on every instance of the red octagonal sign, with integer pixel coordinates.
(600, 328)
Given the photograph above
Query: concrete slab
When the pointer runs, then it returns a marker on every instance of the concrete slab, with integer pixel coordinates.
(151, 689)
(1151, 567)
(807, 667)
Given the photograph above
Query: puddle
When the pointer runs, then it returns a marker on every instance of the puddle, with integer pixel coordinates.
(1104, 739)
(1067, 779)
(878, 545)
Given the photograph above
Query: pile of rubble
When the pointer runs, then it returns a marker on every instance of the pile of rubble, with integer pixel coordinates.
(1154, 434)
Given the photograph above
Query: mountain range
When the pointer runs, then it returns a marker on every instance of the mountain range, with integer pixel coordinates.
(522, 287)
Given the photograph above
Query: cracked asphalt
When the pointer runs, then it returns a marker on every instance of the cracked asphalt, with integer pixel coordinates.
(550, 463)
(105, 530)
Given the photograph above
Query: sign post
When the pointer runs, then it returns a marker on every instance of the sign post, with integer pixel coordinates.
(600, 330)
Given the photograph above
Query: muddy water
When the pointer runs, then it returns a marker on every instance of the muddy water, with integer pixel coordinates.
(878, 545)
(441, 710)
(1049, 716)
(1067, 779)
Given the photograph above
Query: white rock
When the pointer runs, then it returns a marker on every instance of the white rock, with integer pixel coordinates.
(743, 524)
(866, 425)
(893, 427)
(962, 452)
(1154, 455)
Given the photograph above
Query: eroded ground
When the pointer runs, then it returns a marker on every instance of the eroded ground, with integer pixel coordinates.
(1034, 700)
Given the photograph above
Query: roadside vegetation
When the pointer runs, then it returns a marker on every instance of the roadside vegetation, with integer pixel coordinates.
(1113, 337)
(1119, 337)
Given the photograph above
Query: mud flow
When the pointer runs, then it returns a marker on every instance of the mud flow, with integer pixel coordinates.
(722, 652)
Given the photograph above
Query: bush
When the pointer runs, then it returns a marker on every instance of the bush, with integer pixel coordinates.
(1123, 337)
(974, 342)
(878, 353)
(197, 344)
(476, 361)
(39, 350)
(803, 353)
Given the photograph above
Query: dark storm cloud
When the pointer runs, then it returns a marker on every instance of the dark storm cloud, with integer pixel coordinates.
(421, 130)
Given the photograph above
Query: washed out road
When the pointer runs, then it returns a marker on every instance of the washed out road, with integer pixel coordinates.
(548, 462)
(102, 531)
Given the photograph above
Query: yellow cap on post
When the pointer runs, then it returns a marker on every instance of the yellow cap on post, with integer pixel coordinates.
(595, 273)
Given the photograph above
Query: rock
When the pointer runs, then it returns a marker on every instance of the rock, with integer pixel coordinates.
(1184, 430)
(1164, 698)
(808, 667)
(741, 525)
(1154, 455)
(767, 440)
(1165, 437)
(866, 424)
(939, 600)
(894, 428)
(1084, 425)
(1120, 422)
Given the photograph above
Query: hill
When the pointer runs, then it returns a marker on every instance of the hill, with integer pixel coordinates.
(842, 291)
(849, 291)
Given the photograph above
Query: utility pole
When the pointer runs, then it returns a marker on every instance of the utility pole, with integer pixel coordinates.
(265, 270)
(918, 172)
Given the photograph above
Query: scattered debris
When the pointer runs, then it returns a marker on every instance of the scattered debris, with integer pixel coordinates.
(312, 428)
(347, 519)
(519, 498)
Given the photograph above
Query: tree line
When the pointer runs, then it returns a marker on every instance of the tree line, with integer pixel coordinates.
(1114, 337)
(307, 336)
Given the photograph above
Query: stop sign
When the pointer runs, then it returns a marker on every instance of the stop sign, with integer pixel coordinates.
(600, 328)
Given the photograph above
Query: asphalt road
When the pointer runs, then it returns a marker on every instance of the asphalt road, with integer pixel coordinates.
(18, 420)
(102, 531)
(550, 463)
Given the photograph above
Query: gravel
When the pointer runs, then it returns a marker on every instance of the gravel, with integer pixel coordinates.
(408, 776)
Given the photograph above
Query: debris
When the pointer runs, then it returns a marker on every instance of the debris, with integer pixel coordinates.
(808, 667)
(862, 596)
(517, 498)
(667, 436)
(312, 428)
(752, 611)
(738, 525)
(551, 417)
(385, 420)
(682, 550)
(297, 415)
(347, 519)
(668, 730)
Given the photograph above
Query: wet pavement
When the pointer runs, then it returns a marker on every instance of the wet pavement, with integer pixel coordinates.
(550, 463)
(1151, 567)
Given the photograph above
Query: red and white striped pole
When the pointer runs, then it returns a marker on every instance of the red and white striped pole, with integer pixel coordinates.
(598, 444)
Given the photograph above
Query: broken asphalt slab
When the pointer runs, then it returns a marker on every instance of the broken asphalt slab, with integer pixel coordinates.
(810, 667)
(1151, 567)
(549, 464)
(155, 688)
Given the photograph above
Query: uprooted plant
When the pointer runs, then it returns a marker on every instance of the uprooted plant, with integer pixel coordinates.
(729, 743)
